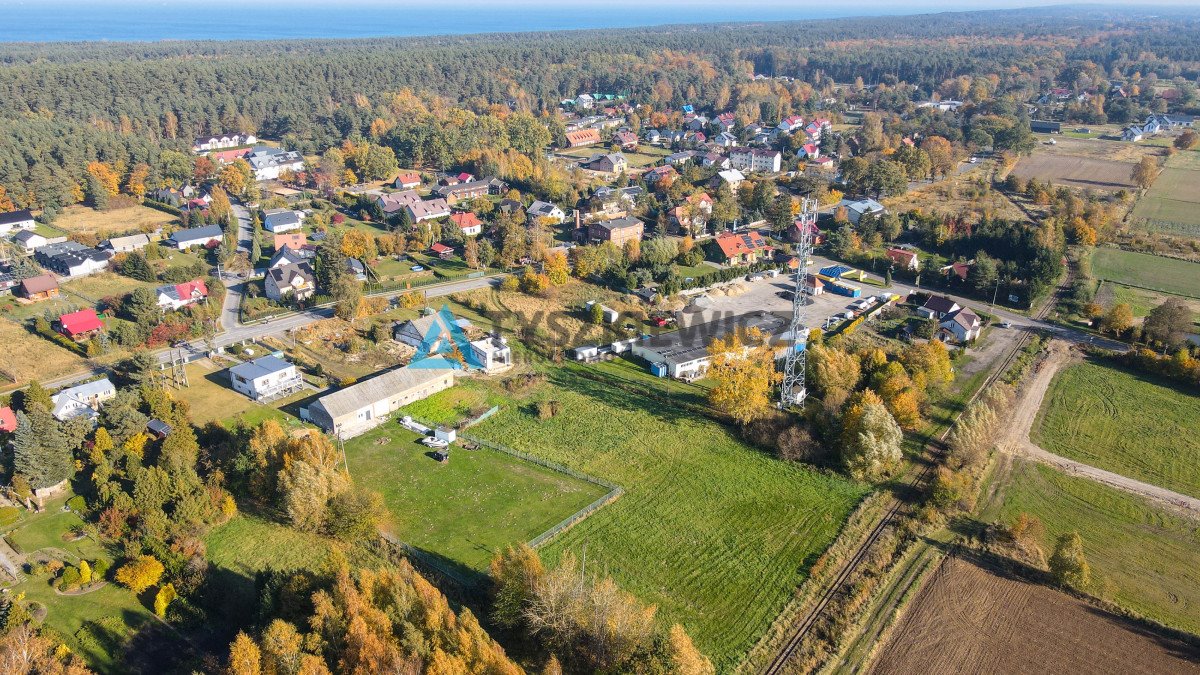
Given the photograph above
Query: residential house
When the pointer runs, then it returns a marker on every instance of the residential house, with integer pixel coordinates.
(810, 151)
(268, 163)
(660, 174)
(177, 296)
(16, 220)
(1168, 121)
(41, 287)
(8, 420)
(755, 159)
(903, 259)
(295, 240)
(7, 283)
(1132, 133)
(626, 140)
(277, 221)
(428, 209)
(958, 269)
(796, 231)
(221, 141)
(743, 248)
(584, 102)
(938, 307)
(1045, 127)
(81, 325)
(731, 176)
(356, 269)
(29, 241)
(653, 136)
(266, 378)
(133, 242)
(822, 165)
(726, 139)
(395, 202)
(355, 409)
(287, 255)
(407, 180)
(431, 333)
(856, 209)
(697, 123)
(582, 138)
(442, 250)
(293, 280)
(726, 121)
(714, 159)
(540, 210)
(691, 218)
(196, 236)
(677, 158)
(510, 206)
(617, 230)
(83, 400)
(71, 259)
(613, 162)
(468, 223)
(789, 124)
(470, 190)
(492, 353)
(963, 324)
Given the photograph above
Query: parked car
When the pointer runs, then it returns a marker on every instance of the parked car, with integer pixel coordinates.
(434, 442)
(417, 268)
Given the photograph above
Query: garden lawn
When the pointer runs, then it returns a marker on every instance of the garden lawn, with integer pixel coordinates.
(249, 544)
(1125, 423)
(1149, 557)
(716, 534)
(1140, 300)
(464, 511)
(134, 218)
(1148, 271)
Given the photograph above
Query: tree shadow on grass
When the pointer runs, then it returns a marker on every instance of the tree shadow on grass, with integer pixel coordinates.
(620, 397)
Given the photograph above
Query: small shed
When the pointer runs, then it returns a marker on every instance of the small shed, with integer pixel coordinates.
(445, 434)
(158, 429)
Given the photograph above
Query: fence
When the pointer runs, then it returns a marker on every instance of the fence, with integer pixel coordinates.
(614, 490)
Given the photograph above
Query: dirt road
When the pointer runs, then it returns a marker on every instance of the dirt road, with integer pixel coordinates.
(1025, 413)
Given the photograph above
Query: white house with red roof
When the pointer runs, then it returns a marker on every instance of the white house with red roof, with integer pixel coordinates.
(80, 325)
(810, 150)
(178, 296)
(441, 250)
(790, 124)
(468, 223)
(903, 259)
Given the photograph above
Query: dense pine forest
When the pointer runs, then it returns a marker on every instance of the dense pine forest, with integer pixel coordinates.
(64, 105)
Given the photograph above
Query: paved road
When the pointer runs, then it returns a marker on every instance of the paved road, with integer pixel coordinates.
(1024, 415)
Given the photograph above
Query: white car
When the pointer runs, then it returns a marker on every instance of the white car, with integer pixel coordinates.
(436, 443)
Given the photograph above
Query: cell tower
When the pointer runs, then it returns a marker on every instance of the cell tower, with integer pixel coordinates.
(794, 391)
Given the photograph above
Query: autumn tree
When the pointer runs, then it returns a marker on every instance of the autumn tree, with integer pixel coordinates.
(743, 367)
(236, 177)
(1119, 319)
(832, 373)
(1169, 323)
(220, 208)
(941, 155)
(516, 572)
(139, 574)
(164, 597)
(135, 184)
(1144, 173)
(557, 269)
(1068, 564)
(245, 658)
(870, 440)
(685, 658)
(309, 479)
(108, 178)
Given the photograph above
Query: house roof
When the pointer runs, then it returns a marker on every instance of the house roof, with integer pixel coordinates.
(439, 247)
(691, 342)
(290, 239)
(8, 419)
(582, 136)
(39, 284)
(131, 240)
(431, 208)
(82, 391)
(284, 274)
(80, 322)
(619, 223)
(279, 217)
(260, 367)
(25, 236)
(369, 392)
(465, 220)
(963, 317)
(940, 304)
(185, 291)
(205, 233)
(736, 244)
(408, 178)
(15, 217)
(540, 208)
(900, 255)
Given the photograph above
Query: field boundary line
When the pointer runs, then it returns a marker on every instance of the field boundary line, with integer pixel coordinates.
(1149, 288)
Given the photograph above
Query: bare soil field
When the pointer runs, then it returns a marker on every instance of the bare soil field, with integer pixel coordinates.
(1095, 148)
(1075, 171)
(971, 619)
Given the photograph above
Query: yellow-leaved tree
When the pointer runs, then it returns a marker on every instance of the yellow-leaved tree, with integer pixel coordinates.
(743, 366)
(140, 574)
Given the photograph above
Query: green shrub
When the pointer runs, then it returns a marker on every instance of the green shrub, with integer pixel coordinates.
(100, 568)
(77, 504)
(69, 579)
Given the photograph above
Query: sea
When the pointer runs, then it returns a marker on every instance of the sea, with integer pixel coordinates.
(158, 20)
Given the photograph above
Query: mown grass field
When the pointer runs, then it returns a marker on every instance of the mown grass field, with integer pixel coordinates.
(467, 509)
(1172, 204)
(95, 625)
(1148, 271)
(716, 534)
(1150, 557)
(1140, 300)
(211, 397)
(102, 223)
(1125, 423)
(249, 544)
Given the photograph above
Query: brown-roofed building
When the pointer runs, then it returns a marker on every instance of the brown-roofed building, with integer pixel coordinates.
(618, 230)
(903, 259)
(293, 240)
(582, 138)
(41, 287)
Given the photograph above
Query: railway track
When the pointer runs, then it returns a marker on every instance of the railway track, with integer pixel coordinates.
(848, 568)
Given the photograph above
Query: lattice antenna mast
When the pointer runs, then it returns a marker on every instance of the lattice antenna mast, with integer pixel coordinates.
(794, 391)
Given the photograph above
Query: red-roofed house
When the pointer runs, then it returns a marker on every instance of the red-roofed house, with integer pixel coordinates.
(178, 296)
(789, 124)
(582, 137)
(80, 325)
(470, 225)
(811, 150)
(905, 259)
(465, 177)
(795, 231)
(8, 420)
(958, 269)
(743, 248)
(626, 139)
(292, 240)
(441, 250)
(408, 180)
(227, 156)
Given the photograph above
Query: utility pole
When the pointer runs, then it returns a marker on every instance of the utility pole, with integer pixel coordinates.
(995, 292)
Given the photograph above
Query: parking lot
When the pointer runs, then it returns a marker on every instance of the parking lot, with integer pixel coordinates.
(773, 295)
